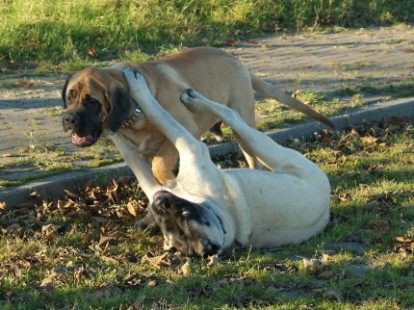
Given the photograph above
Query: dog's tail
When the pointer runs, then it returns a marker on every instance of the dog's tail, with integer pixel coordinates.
(268, 90)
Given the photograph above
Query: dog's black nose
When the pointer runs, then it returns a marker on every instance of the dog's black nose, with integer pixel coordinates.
(210, 249)
(70, 120)
(163, 199)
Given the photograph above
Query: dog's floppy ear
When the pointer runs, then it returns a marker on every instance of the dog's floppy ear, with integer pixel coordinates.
(120, 106)
(65, 86)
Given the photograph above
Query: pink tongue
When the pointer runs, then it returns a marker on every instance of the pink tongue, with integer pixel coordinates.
(80, 140)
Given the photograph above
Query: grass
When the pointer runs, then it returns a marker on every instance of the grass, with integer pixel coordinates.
(76, 32)
(81, 252)
(38, 161)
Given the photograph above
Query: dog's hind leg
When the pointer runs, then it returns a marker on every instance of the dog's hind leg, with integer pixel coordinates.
(248, 115)
(263, 148)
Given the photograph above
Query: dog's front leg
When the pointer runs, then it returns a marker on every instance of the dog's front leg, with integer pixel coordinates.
(139, 166)
(142, 171)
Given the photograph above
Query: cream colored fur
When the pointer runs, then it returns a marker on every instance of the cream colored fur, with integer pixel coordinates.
(287, 204)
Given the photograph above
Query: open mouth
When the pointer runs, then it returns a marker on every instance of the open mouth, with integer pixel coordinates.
(84, 141)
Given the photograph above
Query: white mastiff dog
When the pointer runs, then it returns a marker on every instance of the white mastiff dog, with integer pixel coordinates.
(206, 210)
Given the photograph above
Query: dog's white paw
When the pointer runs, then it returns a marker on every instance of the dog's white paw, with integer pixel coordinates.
(190, 98)
(136, 81)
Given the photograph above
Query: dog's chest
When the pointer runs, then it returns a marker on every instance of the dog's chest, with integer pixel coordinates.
(141, 141)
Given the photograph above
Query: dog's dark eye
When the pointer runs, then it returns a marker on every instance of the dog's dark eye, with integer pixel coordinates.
(91, 101)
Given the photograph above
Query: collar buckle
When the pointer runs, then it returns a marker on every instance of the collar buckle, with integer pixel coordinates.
(135, 114)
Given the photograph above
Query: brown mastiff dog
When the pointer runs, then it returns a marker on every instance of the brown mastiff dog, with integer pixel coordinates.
(97, 102)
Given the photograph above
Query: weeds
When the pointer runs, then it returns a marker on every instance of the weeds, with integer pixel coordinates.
(78, 32)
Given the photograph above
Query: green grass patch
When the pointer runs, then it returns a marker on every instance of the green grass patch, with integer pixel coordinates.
(78, 32)
(38, 176)
(39, 161)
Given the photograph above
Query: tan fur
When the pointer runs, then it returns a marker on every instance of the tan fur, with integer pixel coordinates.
(212, 72)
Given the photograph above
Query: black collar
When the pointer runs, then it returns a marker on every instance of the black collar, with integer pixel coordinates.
(133, 117)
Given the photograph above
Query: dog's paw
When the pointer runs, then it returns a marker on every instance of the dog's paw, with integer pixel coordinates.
(136, 81)
(189, 98)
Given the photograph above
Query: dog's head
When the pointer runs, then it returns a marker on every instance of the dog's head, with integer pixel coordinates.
(95, 101)
(188, 227)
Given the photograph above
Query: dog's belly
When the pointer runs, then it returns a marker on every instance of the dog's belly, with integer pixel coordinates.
(282, 208)
(278, 236)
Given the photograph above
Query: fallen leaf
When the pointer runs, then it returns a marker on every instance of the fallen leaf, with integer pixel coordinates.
(25, 83)
(92, 52)
(373, 168)
(133, 279)
(34, 195)
(103, 240)
(369, 140)
(185, 269)
(403, 240)
(86, 240)
(78, 275)
(157, 261)
(325, 258)
(251, 41)
(71, 194)
(324, 132)
(213, 260)
(109, 260)
(50, 279)
(231, 42)
(313, 263)
(131, 209)
(49, 232)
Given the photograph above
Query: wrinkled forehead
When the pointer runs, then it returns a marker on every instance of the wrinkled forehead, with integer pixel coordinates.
(82, 88)
(84, 80)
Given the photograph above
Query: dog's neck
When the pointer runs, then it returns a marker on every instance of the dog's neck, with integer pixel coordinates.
(133, 116)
